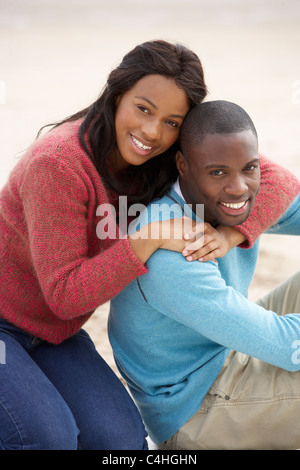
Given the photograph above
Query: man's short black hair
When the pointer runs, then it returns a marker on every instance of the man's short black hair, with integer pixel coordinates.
(214, 117)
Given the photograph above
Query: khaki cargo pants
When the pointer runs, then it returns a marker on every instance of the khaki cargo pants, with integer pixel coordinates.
(252, 404)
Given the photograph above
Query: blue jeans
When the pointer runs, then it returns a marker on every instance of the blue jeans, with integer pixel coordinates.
(62, 397)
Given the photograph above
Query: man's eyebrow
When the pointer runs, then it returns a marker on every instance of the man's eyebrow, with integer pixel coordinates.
(155, 107)
(218, 165)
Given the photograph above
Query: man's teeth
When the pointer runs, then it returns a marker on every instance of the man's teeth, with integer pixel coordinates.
(140, 145)
(234, 206)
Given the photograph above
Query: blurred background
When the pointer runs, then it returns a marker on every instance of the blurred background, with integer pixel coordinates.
(56, 55)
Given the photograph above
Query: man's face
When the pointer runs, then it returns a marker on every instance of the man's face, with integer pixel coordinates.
(222, 172)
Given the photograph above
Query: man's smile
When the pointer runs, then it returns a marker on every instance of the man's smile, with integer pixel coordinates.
(234, 208)
(236, 205)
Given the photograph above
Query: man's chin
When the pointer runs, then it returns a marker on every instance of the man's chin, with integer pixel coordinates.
(233, 221)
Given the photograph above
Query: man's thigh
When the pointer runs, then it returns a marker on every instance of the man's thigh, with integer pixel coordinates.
(252, 405)
(285, 298)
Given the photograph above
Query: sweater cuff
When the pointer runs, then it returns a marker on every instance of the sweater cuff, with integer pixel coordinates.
(138, 265)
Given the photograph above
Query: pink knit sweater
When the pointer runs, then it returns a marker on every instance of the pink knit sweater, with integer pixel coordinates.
(54, 270)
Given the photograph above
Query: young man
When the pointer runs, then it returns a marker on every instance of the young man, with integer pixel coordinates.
(208, 368)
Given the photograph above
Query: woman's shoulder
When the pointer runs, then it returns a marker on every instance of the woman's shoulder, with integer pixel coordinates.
(58, 140)
(60, 146)
(58, 152)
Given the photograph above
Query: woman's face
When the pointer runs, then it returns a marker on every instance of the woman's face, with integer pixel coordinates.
(148, 119)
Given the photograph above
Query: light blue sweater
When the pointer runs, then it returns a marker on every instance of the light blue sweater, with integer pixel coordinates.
(172, 328)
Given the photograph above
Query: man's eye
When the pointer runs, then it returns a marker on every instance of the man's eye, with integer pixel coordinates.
(217, 172)
(251, 167)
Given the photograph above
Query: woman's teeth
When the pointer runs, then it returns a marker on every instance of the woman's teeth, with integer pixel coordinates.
(140, 145)
(234, 206)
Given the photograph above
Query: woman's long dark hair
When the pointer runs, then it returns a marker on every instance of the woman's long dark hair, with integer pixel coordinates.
(141, 183)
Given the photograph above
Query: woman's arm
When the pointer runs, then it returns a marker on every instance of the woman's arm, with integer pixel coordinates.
(203, 243)
(278, 189)
(73, 280)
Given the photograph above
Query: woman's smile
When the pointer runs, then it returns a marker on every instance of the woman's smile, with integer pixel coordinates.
(140, 145)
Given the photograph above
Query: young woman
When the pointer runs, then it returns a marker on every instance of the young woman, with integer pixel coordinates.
(56, 391)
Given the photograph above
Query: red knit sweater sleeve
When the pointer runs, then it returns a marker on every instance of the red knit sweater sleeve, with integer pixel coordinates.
(278, 189)
(58, 212)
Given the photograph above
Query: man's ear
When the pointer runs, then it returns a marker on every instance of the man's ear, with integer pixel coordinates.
(181, 164)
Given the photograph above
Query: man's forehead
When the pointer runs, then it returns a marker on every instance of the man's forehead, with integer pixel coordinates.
(217, 143)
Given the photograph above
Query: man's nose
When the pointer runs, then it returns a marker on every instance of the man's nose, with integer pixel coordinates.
(237, 186)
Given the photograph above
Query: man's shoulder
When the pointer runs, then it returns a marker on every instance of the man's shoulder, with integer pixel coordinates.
(171, 267)
(164, 208)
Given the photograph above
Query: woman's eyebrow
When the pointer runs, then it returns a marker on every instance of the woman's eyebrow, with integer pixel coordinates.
(155, 107)
(148, 101)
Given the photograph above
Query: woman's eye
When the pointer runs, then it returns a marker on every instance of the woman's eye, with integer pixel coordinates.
(173, 124)
(143, 109)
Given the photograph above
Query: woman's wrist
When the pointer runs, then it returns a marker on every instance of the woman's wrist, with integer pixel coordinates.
(233, 236)
(144, 242)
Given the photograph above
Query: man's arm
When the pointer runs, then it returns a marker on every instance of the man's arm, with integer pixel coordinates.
(195, 295)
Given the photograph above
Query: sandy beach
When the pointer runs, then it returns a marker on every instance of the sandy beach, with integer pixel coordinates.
(55, 56)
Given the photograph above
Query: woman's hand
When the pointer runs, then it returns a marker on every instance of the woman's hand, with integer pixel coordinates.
(212, 243)
(202, 241)
(194, 240)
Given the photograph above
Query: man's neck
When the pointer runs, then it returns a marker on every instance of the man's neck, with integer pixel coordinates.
(177, 189)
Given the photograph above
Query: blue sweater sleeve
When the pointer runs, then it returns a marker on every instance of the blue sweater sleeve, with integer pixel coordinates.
(289, 223)
(199, 298)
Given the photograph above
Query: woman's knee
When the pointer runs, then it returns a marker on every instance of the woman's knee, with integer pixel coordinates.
(61, 433)
(42, 431)
(123, 430)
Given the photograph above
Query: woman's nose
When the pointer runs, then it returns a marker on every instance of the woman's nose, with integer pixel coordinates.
(152, 131)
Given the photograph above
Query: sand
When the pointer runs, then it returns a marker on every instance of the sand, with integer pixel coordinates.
(56, 54)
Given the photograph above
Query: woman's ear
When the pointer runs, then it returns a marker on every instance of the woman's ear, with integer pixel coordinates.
(181, 164)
